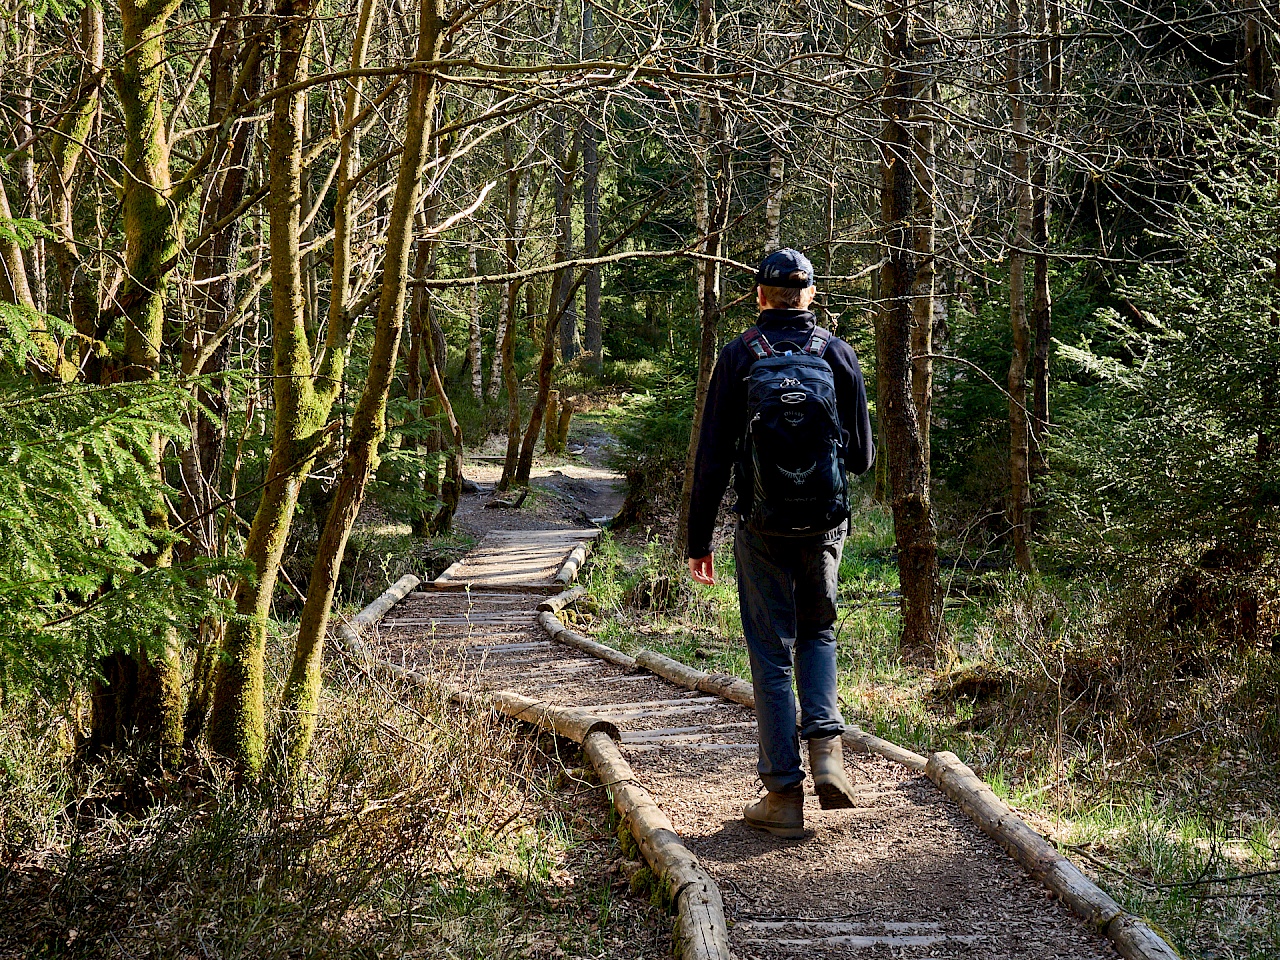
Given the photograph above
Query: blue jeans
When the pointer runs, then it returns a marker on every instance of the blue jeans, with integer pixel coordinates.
(787, 594)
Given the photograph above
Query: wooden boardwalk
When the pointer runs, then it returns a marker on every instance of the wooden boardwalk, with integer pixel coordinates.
(904, 875)
(514, 560)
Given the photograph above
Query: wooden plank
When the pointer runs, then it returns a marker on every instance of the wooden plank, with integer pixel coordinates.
(495, 600)
(539, 536)
(504, 647)
(628, 735)
(663, 711)
(460, 621)
(678, 740)
(544, 664)
(480, 586)
(634, 704)
(708, 747)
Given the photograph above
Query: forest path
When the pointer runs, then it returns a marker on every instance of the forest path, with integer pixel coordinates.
(905, 874)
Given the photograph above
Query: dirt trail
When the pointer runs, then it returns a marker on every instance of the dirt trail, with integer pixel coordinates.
(903, 875)
(572, 490)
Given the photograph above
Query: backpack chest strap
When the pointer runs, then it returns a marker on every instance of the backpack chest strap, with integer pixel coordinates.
(760, 346)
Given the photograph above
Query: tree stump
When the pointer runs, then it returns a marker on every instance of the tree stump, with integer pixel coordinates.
(562, 425)
(552, 421)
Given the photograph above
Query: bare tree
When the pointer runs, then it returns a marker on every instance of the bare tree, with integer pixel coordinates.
(908, 470)
(1019, 422)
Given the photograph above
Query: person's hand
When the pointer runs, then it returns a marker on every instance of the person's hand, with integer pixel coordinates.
(703, 569)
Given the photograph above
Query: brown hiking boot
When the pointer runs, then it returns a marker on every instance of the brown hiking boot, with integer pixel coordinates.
(826, 763)
(781, 813)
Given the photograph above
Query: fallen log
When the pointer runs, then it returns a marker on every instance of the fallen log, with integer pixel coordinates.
(573, 563)
(561, 600)
(562, 634)
(701, 931)
(499, 503)
(1133, 938)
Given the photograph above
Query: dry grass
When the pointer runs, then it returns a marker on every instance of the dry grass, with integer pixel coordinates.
(421, 831)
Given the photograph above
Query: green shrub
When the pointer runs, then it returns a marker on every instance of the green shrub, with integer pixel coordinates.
(79, 493)
(653, 438)
(1170, 466)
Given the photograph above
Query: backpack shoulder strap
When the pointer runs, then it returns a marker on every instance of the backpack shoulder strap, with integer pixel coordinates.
(757, 343)
(819, 340)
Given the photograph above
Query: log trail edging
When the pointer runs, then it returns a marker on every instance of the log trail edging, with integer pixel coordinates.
(700, 929)
(1132, 936)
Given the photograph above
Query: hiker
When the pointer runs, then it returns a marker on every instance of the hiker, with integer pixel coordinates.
(787, 413)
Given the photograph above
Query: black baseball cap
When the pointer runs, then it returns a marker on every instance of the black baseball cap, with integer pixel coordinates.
(776, 270)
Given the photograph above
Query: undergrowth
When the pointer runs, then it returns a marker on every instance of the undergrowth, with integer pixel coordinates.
(1147, 753)
(422, 830)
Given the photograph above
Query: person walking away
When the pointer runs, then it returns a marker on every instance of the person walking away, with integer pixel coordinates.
(786, 413)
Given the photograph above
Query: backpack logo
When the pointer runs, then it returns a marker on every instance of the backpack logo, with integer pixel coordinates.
(798, 476)
(789, 382)
(792, 398)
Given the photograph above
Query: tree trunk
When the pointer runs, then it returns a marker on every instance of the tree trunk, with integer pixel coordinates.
(545, 366)
(368, 424)
(77, 283)
(563, 424)
(552, 422)
(924, 282)
(908, 476)
(426, 439)
(517, 216)
(559, 305)
(512, 386)
(451, 443)
(563, 305)
(200, 461)
(237, 728)
(1050, 52)
(710, 224)
(826, 314)
(1019, 426)
(777, 172)
(473, 264)
(151, 234)
(594, 332)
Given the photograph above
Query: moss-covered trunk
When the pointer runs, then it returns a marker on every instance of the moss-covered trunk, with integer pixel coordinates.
(214, 296)
(368, 424)
(237, 729)
(151, 229)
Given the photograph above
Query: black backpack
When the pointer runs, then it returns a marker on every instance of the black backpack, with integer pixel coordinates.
(791, 476)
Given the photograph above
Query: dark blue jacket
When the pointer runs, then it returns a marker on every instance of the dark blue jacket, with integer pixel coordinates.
(724, 422)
